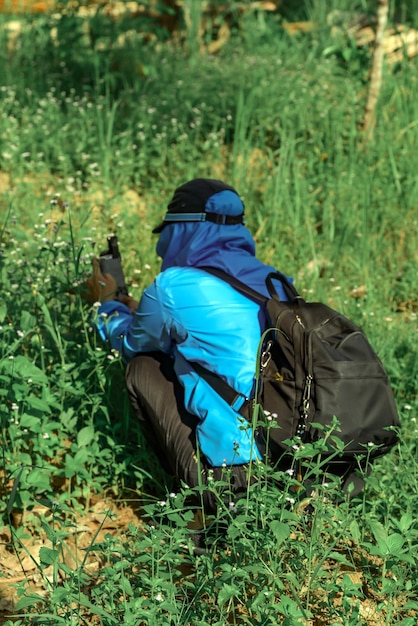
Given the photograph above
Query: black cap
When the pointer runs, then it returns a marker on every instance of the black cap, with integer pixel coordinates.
(189, 204)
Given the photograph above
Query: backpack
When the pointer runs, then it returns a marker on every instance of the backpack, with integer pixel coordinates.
(316, 365)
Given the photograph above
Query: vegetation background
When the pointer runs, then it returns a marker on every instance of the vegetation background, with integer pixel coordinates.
(104, 109)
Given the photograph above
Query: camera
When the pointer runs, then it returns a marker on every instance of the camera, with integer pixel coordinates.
(111, 263)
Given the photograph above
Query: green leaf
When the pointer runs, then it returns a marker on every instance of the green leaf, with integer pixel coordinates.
(289, 608)
(49, 324)
(405, 522)
(281, 531)
(346, 54)
(38, 479)
(48, 556)
(49, 504)
(227, 593)
(395, 543)
(28, 600)
(73, 467)
(13, 492)
(97, 610)
(406, 558)
(3, 312)
(68, 418)
(82, 456)
(21, 367)
(355, 531)
(30, 422)
(27, 321)
(340, 558)
(126, 586)
(234, 532)
(38, 404)
(378, 531)
(85, 436)
(409, 621)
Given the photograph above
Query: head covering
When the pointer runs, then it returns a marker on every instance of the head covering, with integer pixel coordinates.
(226, 246)
(192, 202)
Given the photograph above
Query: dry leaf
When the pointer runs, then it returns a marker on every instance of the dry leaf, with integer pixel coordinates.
(358, 292)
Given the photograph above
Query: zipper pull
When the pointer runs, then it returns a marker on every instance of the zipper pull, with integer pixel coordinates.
(299, 321)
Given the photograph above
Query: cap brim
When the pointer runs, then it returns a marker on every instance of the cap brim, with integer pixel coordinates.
(159, 228)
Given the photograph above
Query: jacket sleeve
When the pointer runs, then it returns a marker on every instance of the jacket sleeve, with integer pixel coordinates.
(144, 331)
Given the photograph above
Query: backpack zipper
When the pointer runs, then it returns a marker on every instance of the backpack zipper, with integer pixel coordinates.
(306, 400)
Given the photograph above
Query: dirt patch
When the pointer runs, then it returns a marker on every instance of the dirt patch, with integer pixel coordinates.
(19, 558)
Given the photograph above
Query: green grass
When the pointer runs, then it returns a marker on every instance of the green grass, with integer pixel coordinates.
(112, 126)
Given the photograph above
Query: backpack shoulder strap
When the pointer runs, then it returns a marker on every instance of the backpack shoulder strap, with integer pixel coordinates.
(216, 382)
(288, 287)
(225, 391)
(237, 284)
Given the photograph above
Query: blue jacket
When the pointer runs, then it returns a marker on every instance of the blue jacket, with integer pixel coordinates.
(195, 316)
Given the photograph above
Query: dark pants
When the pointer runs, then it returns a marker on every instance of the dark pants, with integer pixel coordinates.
(157, 399)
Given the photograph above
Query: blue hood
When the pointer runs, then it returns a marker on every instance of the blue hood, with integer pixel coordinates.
(230, 248)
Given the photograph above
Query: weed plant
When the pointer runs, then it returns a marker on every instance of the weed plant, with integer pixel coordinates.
(98, 123)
